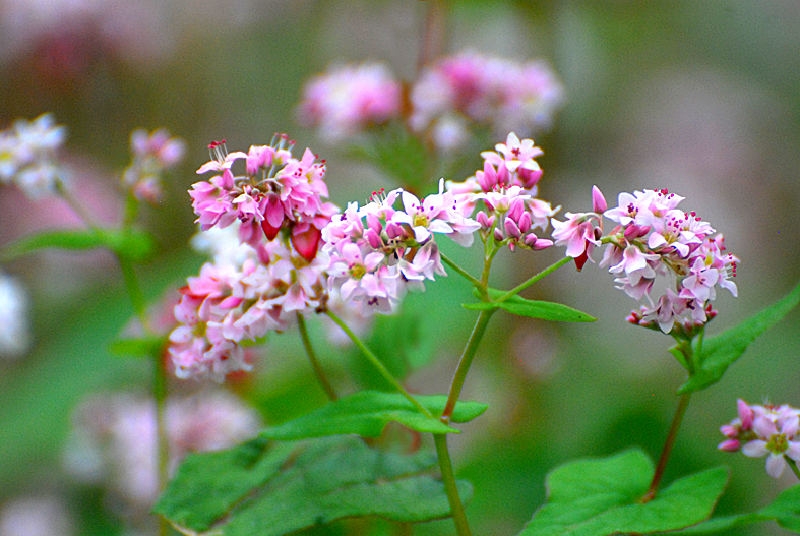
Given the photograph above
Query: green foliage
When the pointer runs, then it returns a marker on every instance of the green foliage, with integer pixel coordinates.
(785, 510)
(603, 496)
(368, 412)
(144, 347)
(131, 244)
(517, 305)
(275, 488)
(717, 353)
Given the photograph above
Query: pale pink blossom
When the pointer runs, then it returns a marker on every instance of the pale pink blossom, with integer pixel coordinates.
(29, 156)
(346, 100)
(468, 89)
(767, 430)
(654, 241)
(152, 154)
(114, 439)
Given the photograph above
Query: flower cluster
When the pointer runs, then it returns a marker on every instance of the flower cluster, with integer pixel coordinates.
(277, 193)
(346, 99)
(654, 240)
(772, 431)
(377, 250)
(502, 94)
(153, 153)
(507, 188)
(28, 155)
(275, 270)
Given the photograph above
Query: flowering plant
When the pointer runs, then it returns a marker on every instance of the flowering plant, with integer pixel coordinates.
(280, 254)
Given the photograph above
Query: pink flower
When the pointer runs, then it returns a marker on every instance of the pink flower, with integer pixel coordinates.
(655, 240)
(470, 88)
(347, 99)
(770, 431)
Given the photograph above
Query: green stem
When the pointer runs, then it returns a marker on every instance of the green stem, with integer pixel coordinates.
(541, 275)
(465, 362)
(312, 357)
(76, 207)
(683, 403)
(448, 479)
(372, 358)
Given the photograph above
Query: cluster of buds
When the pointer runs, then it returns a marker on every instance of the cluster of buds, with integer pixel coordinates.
(654, 240)
(772, 431)
(466, 88)
(28, 153)
(278, 193)
(347, 99)
(153, 153)
(507, 189)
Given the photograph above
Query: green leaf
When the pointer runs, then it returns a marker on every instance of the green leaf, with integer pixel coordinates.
(517, 305)
(272, 489)
(719, 352)
(785, 510)
(602, 496)
(134, 245)
(366, 413)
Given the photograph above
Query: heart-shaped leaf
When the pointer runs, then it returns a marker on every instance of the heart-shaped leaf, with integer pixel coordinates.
(603, 497)
(277, 488)
(367, 413)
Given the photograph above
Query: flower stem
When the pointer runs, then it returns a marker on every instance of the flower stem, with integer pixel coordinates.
(464, 364)
(683, 403)
(312, 357)
(448, 479)
(434, 35)
(538, 277)
(372, 358)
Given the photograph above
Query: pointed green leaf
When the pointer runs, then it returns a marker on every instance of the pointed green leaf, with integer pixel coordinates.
(368, 412)
(719, 352)
(600, 497)
(276, 489)
(517, 305)
(135, 245)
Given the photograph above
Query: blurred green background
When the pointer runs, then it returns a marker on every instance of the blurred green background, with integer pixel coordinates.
(702, 98)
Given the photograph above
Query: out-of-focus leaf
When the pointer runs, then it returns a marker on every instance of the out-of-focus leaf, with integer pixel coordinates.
(276, 488)
(603, 497)
(719, 352)
(131, 244)
(139, 347)
(367, 413)
(520, 306)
